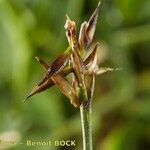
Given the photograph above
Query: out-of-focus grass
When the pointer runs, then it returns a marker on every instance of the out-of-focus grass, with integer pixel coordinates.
(121, 107)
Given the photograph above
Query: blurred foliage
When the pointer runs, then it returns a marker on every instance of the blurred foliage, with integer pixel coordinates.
(121, 107)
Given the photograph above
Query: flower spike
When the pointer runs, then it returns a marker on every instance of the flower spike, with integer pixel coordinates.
(73, 61)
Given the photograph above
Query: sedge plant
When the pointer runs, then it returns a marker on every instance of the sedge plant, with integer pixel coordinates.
(83, 69)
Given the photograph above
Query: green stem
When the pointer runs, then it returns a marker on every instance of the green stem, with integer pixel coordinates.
(85, 110)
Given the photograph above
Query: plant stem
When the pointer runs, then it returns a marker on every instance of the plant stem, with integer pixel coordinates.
(85, 111)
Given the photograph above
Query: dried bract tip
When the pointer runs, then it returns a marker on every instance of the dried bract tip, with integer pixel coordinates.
(92, 86)
(69, 23)
(42, 62)
(58, 65)
(91, 62)
(78, 66)
(41, 87)
(92, 24)
(70, 27)
(87, 30)
(107, 69)
(83, 39)
(66, 89)
(99, 3)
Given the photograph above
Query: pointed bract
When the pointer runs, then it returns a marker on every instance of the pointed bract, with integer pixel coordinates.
(83, 39)
(42, 87)
(70, 27)
(58, 64)
(66, 88)
(87, 30)
(92, 23)
(78, 66)
(91, 62)
(92, 85)
(48, 83)
(107, 69)
(43, 63)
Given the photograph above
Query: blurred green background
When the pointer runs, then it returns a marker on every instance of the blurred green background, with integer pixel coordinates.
(121, 106)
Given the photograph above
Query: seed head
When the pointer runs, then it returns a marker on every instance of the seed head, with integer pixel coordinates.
(73, 61)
